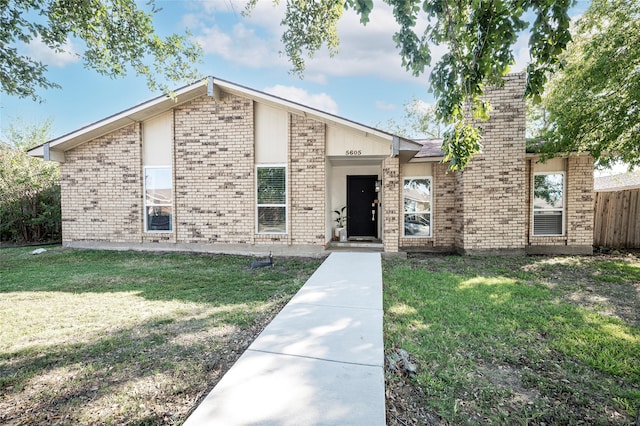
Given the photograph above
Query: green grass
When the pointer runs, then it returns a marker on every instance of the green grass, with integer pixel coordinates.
(127, 337)
(518, 340)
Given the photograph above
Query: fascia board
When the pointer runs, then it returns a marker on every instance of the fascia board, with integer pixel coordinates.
(133, 115)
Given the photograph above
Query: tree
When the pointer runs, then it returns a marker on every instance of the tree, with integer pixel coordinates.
(594, 103)
(29, 188)
(479, 36)
(418, 121)
(117, 36)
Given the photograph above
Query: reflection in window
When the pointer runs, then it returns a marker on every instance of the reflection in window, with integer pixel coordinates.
(272, 199)
(417, 207)
(548, 204)
(158, 198)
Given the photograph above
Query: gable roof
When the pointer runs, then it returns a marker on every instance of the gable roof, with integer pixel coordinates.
(210, 86)
(630, 180)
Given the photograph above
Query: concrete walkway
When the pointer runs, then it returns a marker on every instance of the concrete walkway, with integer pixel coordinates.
(319, 362)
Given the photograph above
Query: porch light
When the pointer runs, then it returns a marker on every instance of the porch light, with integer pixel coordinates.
(378, 185)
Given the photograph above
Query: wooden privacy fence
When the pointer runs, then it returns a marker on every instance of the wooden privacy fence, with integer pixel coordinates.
(617, 219)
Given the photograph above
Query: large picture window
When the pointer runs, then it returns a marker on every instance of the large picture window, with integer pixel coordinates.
(272, 199)
(548, 204)
(158, 201)
(417, 206)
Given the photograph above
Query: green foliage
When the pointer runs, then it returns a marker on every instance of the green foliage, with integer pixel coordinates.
(29, 189)
(117, 36)
(594, 103)
(479, 36)
(418, 121)
(341, 216)
(460, 144)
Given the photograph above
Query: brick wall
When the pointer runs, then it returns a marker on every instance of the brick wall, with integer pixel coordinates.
(102, 189)
(443, 211)
(491, 196)
(307, 181)
(214, 171)
(392, 203)
(580, 201)
(444, 206)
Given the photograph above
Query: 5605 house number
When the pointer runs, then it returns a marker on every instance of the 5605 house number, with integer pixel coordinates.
(353, 152)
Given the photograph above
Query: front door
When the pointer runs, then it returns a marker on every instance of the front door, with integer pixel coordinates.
(362, 210)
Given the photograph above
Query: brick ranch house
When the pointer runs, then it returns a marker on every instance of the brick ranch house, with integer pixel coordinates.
(225, 168)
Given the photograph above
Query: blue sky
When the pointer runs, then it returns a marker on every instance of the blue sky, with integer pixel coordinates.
(364, 82)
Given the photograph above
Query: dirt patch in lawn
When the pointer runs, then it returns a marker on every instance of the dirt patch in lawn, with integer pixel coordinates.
(128, 338)
(535, 374)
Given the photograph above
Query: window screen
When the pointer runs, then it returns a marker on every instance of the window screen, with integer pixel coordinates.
(417, 207)
(548, 204)
(272, 199)
(158, 198)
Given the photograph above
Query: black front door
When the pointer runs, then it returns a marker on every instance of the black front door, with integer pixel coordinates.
(362, 211)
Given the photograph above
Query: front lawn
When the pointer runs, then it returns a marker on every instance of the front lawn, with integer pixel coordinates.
(528, 340)
(127, 337)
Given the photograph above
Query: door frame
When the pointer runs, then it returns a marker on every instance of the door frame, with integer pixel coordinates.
(374, 179)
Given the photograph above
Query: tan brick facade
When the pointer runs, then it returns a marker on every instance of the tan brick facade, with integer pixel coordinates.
(578, 212)
(307, 181)
(214, 171)
(101, 186)
(391, 207)
(493, 185)
(485, 208)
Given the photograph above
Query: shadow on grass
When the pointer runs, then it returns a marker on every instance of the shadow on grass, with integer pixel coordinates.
(495, 345)
(199, 313)
(152, 373)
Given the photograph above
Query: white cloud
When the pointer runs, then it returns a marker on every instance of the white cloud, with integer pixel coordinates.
(420, 106)
(384, 106)
(320, 101)
(41, 52)
(255, 41)
(521, 53)
(243, 46)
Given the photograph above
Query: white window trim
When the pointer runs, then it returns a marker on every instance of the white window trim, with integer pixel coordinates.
(564, 203)
(430, 204)
(286, 199)
(144, 201)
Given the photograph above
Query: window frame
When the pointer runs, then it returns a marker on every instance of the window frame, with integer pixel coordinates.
(286, 199)
(146, 205)
(561, 210)
(430, 212)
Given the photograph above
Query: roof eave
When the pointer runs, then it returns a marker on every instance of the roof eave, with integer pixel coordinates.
(427, 159)
(120, 120)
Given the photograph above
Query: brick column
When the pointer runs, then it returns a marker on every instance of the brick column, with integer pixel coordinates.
(391, 207)
(580, 198)
(307, 181)
(492, 199)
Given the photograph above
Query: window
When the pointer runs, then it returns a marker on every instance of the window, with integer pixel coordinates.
(548, 204)
(417, 207)
(158, 199)
(272, 199)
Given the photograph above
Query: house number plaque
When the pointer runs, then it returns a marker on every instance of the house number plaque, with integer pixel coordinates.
(351, 152)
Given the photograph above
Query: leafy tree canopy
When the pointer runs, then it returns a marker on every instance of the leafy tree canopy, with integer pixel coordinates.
(29, 187)
(479, 36)
(118, 36)
(594, 103)
(418, 121)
